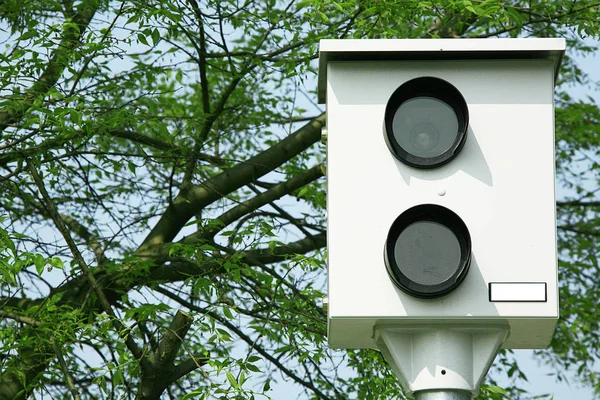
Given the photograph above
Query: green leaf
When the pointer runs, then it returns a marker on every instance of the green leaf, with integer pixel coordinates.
(267, 385)
(28, 35)
(39, 263)
(142, 38)
(132, 167)
(232, 381)
(227, 312)
(192, 394)
(75, 116)
(304, 3)
(253, 368)
(155, 36)
(56, 262)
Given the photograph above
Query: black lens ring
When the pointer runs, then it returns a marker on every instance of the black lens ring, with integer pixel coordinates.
(445, 217)
(427, 87)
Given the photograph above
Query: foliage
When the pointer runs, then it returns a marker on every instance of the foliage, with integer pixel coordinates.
(167, 153)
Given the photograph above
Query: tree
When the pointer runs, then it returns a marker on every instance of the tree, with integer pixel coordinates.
(163, 231)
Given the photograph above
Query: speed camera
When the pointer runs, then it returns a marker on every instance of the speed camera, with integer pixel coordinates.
(440, 168)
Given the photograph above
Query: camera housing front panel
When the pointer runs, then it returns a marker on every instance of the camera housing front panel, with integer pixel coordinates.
(501, 184)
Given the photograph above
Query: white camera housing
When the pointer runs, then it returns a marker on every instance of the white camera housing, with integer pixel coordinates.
(501, 184)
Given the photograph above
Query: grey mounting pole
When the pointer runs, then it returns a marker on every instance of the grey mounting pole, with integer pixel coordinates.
(443, 395)
(440, 361)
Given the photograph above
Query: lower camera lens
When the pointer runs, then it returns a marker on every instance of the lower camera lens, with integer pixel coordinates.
(428, 251)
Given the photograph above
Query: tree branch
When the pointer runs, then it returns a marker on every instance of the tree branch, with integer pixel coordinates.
(55, 67)
(174, 269)
(187, 366)
(155, 381)
(171, 342)
(87, 236)
(280, 253)
(202, 58)
(119, 327)
(251, 343)
(162, 145)
(189, 202)
(20, 318)
(20, 303)
(258, 201)
(65, 369)
(578, 203)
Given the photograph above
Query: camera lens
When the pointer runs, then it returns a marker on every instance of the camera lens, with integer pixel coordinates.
(426, 122)
(428, 251)
(425, 126)
(424, 137)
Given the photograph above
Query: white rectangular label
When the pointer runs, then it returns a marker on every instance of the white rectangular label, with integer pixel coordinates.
(517, 291)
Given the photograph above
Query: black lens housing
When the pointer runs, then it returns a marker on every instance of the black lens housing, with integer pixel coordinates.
(427, 87)
(440, 215)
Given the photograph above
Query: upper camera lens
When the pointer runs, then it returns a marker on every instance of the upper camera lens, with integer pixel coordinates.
(423, 137)
(425, 126)
(426, 122)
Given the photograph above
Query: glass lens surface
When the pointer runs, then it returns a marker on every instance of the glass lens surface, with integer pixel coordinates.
(425, 126)
(427, 252)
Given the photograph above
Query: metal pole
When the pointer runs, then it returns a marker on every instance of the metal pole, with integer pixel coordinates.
(443, 395)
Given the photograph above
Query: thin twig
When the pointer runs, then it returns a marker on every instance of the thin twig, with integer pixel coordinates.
(120, 328)
(65, 368)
